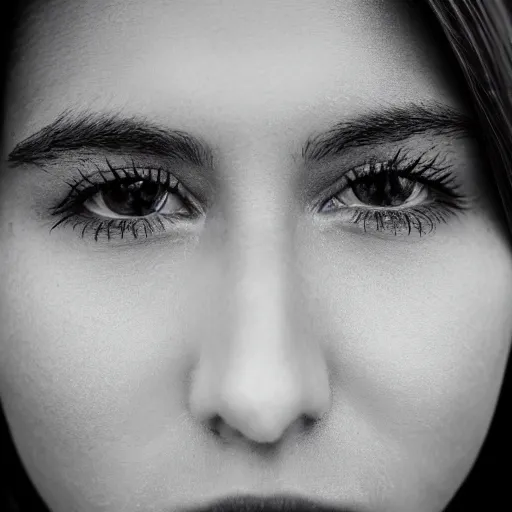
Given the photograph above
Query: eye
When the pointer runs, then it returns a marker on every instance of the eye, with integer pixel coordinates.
(385, 190)
(398, 196)
(136, 201)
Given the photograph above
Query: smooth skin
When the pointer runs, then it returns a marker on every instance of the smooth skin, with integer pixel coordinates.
(116, 355)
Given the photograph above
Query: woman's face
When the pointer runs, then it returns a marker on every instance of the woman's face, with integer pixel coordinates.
(321, 307)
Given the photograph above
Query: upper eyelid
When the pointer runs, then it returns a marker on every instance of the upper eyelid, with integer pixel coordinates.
(78, 184)
(344, 180)
(138, 172)
(131, 172)
(205, 191)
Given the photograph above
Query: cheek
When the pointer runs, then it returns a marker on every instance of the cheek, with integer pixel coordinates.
(419, 336)
(86, 340)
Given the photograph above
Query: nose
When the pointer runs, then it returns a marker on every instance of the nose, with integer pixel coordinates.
(260, 371)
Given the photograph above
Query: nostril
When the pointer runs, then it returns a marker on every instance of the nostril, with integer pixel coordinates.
(308, 421)
(214, 424)
(219, 427)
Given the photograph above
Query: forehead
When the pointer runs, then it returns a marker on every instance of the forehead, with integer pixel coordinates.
(226, 64)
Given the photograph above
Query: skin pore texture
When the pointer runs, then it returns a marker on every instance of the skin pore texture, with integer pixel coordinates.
(117, 355)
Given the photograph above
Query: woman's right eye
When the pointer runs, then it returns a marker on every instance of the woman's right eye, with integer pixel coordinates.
(136, 202)
(135, 199)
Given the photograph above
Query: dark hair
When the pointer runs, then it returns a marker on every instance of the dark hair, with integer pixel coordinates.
(479, 33)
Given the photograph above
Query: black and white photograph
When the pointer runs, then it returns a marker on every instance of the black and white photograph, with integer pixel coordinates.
(256, 256)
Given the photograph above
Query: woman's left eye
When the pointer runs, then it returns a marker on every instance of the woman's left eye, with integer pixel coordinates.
(384, 191)
(135, 202)
(398, 195)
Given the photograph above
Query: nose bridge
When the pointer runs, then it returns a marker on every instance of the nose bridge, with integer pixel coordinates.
(261, 274)
(261, 262)
(260, 252)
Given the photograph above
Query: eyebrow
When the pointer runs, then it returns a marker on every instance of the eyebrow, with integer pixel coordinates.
(90, 131)
(391, 124)
(113, 133)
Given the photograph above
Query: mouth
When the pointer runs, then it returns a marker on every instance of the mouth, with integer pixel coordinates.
(268, 504)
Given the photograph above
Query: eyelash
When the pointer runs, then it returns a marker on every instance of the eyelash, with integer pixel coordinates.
(420, 170)
(448, 202)
(72, 205)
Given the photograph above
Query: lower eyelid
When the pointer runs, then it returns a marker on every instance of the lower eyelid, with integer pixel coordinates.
(420, 223)
(130, 228)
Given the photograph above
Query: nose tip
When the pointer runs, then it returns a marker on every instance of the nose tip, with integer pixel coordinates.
(257, 432)
(260, 406)
(260, 415)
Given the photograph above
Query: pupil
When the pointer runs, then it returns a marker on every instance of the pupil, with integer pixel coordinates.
(133, 199)
(383, 190)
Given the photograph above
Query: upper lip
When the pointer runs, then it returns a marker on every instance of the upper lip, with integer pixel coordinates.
(275, 503)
